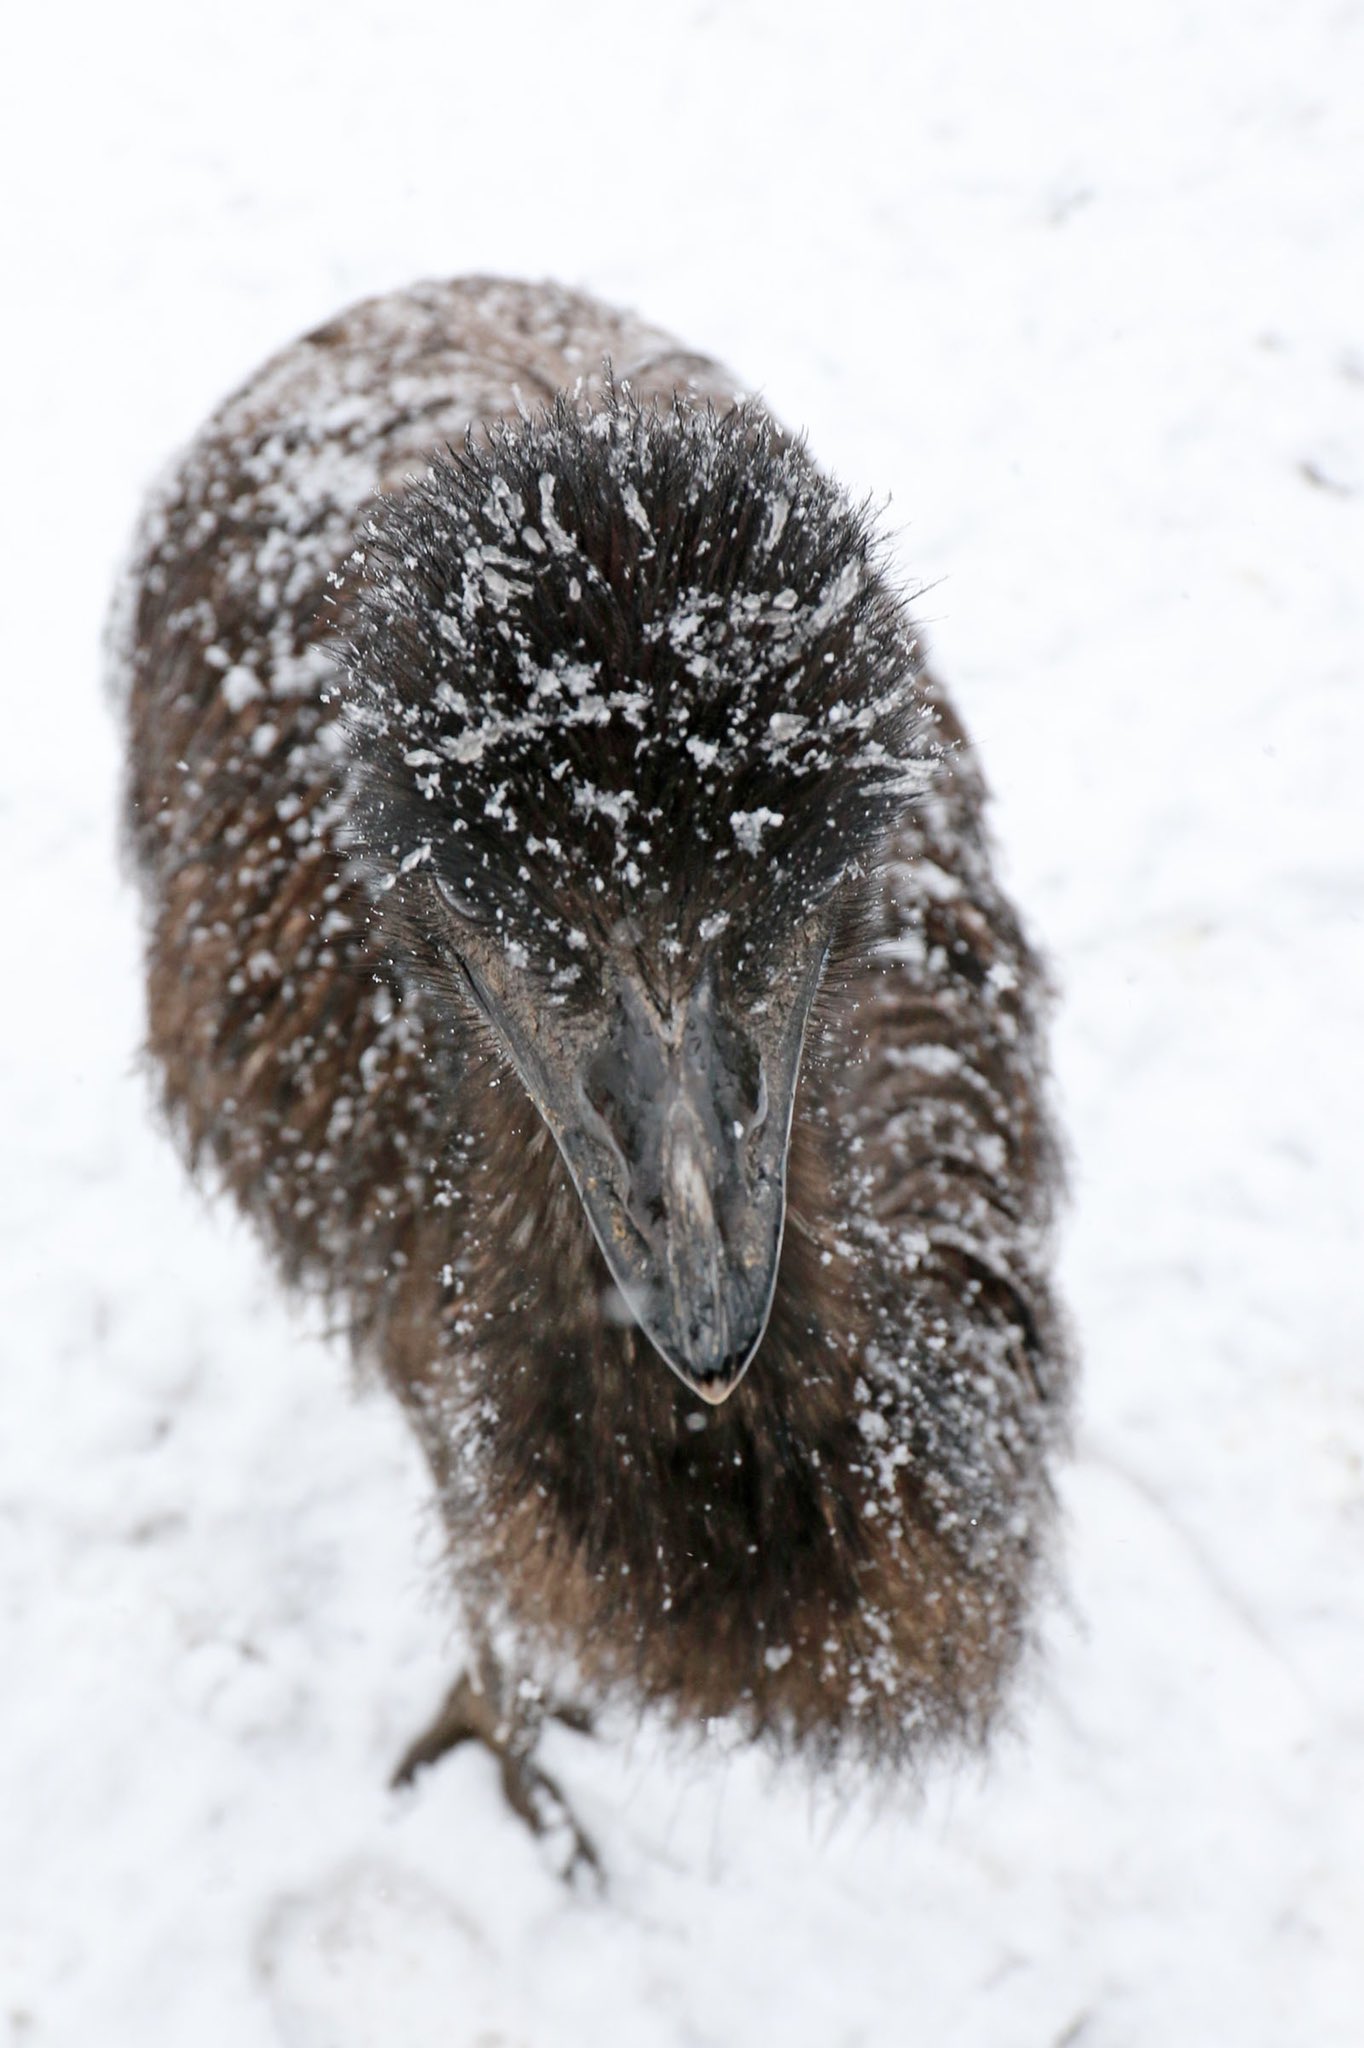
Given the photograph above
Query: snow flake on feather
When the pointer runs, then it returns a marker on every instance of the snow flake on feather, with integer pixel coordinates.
(749, 826)
(634, 508)
(613, 804)
(561, 542)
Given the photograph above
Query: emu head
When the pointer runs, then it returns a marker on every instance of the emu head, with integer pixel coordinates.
(631, 712)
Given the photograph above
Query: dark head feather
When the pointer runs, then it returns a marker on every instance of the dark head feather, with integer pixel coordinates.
(629, 667)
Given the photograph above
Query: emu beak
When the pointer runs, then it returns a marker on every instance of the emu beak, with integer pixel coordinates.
(680, 1159)
(675, 1130)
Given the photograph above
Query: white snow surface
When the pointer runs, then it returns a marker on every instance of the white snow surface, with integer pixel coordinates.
(1082, 290)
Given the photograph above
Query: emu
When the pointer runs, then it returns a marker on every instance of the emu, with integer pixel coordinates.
(572, 939)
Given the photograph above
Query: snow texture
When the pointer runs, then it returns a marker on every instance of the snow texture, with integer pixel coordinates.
(1081, 291)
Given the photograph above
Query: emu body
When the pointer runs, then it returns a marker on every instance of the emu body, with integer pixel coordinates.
(572, 939)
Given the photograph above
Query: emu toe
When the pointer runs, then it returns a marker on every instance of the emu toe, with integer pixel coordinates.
(476, 1712)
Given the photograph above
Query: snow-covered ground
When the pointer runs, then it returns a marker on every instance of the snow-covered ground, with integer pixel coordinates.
(1082, 289)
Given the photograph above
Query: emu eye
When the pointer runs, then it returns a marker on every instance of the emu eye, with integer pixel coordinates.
(750, 977)
(452, 899)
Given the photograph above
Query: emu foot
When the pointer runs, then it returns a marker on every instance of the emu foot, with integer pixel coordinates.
(480, 1712)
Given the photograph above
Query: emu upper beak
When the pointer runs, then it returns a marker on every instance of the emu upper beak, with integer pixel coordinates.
(675, 1129)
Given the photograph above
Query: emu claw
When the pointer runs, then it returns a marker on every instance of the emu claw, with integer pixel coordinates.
(540, 1802)
(470, 1713)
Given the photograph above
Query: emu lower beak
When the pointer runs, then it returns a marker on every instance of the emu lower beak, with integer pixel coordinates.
(675, 1130)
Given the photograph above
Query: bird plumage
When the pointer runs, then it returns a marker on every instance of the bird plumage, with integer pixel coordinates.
(521, 849)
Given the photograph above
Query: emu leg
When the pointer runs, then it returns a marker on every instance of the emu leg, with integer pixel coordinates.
(481, 1706)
